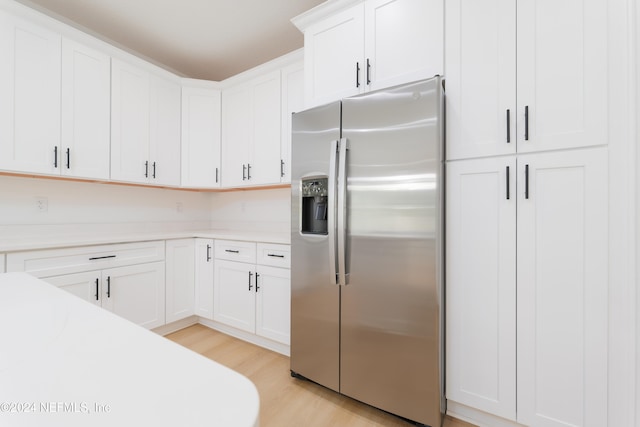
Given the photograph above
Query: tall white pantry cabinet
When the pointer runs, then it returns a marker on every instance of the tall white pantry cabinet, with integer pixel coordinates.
(527, 217)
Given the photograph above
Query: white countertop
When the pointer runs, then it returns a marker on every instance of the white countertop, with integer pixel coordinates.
(66, 362)
(85, 239)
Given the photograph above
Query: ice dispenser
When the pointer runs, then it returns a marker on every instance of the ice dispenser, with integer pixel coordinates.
(314, 205)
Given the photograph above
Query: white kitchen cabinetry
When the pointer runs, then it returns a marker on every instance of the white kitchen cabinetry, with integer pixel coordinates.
(29, 96)
(553, 206)
(2, 265)
(253, 297)
(352, 48)
(145, 126)
(204, 278)
(201, 118)
(128, 278)
(86, 102)
(251, 121)
(292, 102)
(560, 84)
(180, 279)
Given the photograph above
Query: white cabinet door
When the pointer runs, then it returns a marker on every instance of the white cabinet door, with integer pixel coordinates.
(562, 302)
(164, 132)
(264, 148)
(204, 278)
(86, 101)
(236, 134)
(2, 263)
(180, 279)
(481, 77)
(136, 293)
(87, 285)
(333, 60)
(130, 88)
(29, 96)
(273, 301)
(201, 118)
(234, 294)
(481, 284)
(562, 74)
(292, 102)
(397, 53)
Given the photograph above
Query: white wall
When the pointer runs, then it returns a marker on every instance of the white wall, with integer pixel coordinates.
(93, 207)
(255, 210)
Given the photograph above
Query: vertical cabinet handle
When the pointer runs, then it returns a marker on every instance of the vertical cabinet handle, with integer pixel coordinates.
(508, 190)
(154, 170)
(526, 181)
(368, 72)
(508, 126)
(97, 285)
(526, 122)
(244, 172)
(248, 170)
(108, 286)
(257, 286)
(208, 253)
(357, 74)
(281, 168)
(146, 169)
(55, 156)
(68, 158)
(216, 175)
(250, 276)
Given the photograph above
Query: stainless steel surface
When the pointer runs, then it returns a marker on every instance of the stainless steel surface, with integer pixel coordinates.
(315, 299)
(388, 222)
(333, 172)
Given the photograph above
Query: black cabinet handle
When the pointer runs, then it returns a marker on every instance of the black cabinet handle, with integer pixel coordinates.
(275, 256)
(97, 282)
(154, 170)
(250, 276)
(508, 126)
(357, 74)
(281, 168)
(231, 251)
(55, 156)
(526, 181)
(208, 253)
(101, 257)
(244, 172)
(248, 170)
(526, 123)
(368, 72)
(68, 158)
(257, 277)
(146, 169)
(216, 175)
(108, 286)
(508, 191)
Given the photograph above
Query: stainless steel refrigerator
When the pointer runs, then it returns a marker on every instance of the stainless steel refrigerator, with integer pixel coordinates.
(366, 259)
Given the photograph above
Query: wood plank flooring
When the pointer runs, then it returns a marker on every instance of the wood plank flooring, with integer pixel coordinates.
(285, 401)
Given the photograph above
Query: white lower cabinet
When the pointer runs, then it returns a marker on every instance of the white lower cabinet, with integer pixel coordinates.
(527, 287)
(180, 280)
(135, 292)
(204, 278)
(2, 268)
(250, 296)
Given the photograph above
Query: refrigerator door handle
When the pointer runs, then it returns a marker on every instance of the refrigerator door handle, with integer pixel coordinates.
(331, 217)
(343, 278)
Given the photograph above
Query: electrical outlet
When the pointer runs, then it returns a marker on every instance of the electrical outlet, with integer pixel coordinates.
(42, 204)
(179, 207)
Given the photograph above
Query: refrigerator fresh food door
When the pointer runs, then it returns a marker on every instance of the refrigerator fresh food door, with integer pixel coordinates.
(315, 296)
(390, 307)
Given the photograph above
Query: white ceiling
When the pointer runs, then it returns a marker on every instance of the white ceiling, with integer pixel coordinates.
(203, 39)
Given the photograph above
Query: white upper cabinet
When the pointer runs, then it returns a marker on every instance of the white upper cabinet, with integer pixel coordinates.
(369, 45)
(292, 102)
(251, 130)
(200, 137)
(145, 126)
(556, 99)
(29, 96)
(86, 101)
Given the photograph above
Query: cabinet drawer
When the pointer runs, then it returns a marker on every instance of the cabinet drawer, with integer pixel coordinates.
(274, 255)
(235, 251)
(54, 262)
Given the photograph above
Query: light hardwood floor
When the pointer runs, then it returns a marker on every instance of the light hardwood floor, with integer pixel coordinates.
(285, 401)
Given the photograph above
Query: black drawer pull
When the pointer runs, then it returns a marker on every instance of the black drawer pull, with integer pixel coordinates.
(275, 256)
(101, 257)
(232, 251)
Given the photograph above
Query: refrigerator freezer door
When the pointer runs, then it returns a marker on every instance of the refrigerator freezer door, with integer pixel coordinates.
(390, 309)
(315, 296)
